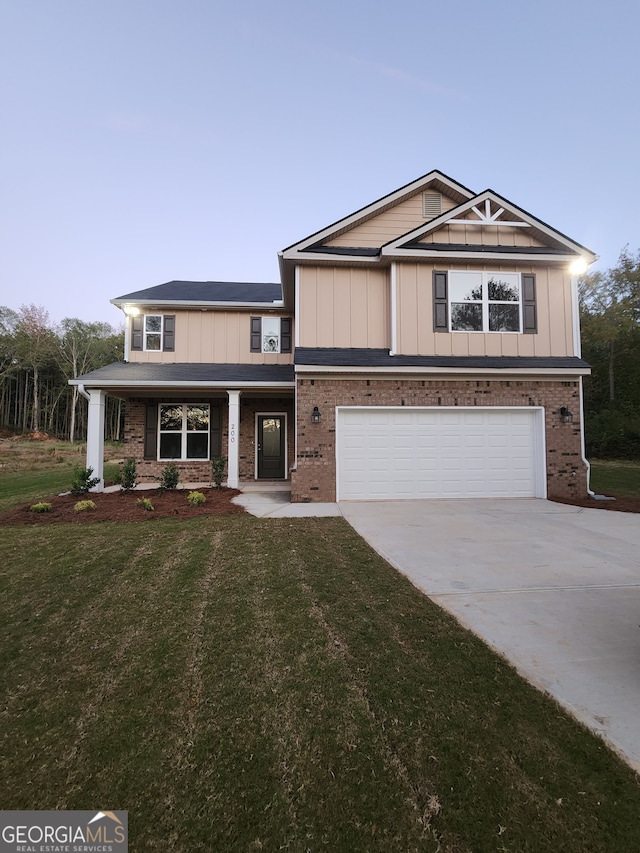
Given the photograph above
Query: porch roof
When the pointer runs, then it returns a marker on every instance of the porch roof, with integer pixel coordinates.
(135, 376)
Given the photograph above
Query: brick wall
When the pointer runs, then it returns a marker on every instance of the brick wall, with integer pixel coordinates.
(200, 471)
(314, 477)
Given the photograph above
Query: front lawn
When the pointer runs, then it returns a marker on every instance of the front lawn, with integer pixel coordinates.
(616, 477)
(239, 684)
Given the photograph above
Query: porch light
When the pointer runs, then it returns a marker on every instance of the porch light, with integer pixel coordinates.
(578, 267)
(566, 416)
(315, 415)
(131, 310)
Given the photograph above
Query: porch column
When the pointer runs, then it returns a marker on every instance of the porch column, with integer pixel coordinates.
(233, 461)
(95, 436)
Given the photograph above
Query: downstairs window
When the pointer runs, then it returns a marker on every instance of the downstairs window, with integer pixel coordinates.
(183, 431)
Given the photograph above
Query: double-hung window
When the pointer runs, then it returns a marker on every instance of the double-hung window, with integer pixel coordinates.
(183, 431)
(485, 302)
(270, 334)
(152, 332)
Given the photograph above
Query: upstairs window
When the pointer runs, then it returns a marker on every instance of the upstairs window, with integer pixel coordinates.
(485, 302)
(153, 332)
(270, 334)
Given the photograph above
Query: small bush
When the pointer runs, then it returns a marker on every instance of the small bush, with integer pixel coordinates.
(127, 475)
(218, 466)
(41, 507)
(83, 506)
(145, 503)
(169, 478)
(82, 480)
(196, 498)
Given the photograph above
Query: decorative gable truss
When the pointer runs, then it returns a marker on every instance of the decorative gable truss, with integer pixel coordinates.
(487, 225)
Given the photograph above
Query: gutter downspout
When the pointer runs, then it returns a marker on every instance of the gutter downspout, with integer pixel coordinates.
(393, 309)
(577, 351)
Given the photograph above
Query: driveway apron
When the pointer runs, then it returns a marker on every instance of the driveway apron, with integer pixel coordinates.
(554, 588)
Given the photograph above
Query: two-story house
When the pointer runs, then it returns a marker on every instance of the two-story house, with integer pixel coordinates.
(425, 346)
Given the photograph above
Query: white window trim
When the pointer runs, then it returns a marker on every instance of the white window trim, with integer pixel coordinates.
(184, 432)
(485, 302)
(274, 320)
(145, 333)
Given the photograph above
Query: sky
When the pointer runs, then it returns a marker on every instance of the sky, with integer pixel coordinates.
(149, 140)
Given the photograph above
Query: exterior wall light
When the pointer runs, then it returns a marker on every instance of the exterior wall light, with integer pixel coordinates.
(131, 310)
(578, 267)
(315, 415)
(566, 416)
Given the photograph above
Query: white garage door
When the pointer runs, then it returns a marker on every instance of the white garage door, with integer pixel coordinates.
(395, 453)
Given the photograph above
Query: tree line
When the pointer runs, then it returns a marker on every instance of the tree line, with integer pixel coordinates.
(610, 322)
(37, 359)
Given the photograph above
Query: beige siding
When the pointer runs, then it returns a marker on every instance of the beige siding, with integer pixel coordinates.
(343, 307)
(389, 225)
(483, 235)
(415, 335)
(213, 337)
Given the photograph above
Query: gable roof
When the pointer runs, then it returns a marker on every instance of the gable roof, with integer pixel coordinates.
(195, 294)
(472, 213)
(488, 209)
(435, 180)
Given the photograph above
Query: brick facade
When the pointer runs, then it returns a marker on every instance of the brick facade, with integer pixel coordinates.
(195, 471)
(315, 476)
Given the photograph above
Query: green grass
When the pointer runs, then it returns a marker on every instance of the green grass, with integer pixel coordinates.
(29, 486)
(240, 684)
(616, 477)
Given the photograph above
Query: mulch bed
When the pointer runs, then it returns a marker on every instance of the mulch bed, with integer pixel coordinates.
(122, 506)
(620, 504)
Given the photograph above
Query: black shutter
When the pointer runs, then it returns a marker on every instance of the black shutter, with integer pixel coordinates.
(529, 307)
(256, 334)
(440, 302)
(215, 440)
(169, 337)
(151, 431)
(285, 334)
(136, 332)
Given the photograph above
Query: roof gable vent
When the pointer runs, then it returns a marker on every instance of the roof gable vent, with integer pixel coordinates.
(431, 204)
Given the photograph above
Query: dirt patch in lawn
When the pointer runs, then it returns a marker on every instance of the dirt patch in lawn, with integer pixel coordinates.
(620, 504)
(123, 506)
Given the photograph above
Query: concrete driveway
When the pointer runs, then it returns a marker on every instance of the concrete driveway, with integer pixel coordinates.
(554, 588)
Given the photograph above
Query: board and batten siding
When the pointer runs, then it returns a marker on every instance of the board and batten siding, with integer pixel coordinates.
(483, 235)
(388, 225)
(414, 310)
(343, 307)
(221, 337)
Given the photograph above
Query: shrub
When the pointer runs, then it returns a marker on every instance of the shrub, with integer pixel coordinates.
(145, 503)
(83, 506)
(41, 507)
(196, 498)
(82, 480)
(218, 466)
(169, 477)
(127, 476)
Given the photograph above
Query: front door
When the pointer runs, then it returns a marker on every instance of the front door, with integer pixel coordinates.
(271, 455)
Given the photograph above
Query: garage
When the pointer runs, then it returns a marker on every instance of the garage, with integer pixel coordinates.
(395, 453)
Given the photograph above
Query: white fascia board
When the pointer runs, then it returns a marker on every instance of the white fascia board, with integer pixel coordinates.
(168, 385)
(487, 257)
(335, 258)
(185, 303)
(366, 212)
(373, 372)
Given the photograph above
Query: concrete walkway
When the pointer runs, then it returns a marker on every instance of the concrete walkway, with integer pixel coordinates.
(273, 500)
(554, 588)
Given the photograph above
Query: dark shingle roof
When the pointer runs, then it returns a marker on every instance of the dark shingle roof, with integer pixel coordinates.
(336, 357)
(132, 373)
(206, 292)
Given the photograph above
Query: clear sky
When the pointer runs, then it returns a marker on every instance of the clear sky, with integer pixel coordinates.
(150, 140)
